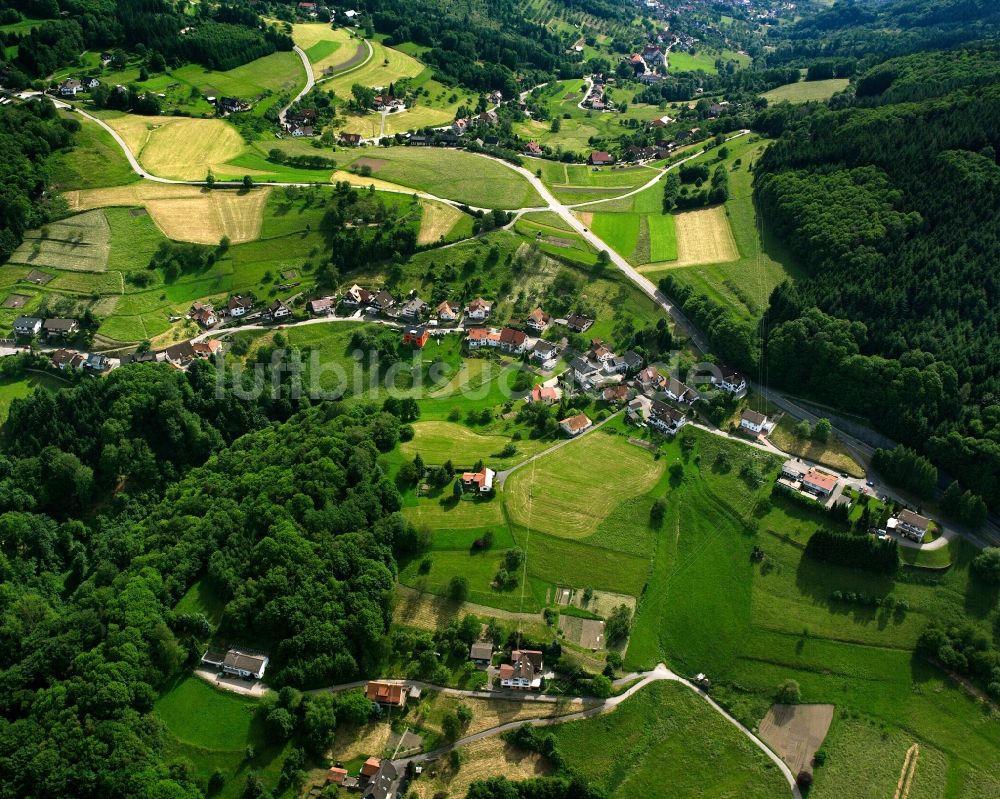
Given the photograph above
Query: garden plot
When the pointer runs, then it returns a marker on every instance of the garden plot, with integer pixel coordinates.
(795, 732)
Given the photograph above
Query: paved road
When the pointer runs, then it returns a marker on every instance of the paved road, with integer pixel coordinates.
(310, 82)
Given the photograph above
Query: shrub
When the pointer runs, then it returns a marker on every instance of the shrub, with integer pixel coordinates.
(458, 588)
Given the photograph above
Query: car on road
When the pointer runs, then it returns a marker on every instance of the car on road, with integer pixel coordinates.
(870, 483)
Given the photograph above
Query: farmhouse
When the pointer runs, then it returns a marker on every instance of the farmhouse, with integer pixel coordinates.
(448, 311)
(60, 327)
(524, 672)
(389, 694)
(320, 307)
(416, 336)
(599, 158)
(238, 306)
(538, 320)
(276, 310)
(532, 148)
(27, 326)
(233, 105)
(69, 87)
(579, 324)
(910, 524)
(237, 663)
(575, 425)
(480, 482)
(350, 139)
(481, 653)
(548, 395)
(479, 309)
(664, 418)
(754, 422)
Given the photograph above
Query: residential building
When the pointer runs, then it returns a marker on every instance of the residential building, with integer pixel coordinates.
(459, 126)
(538, 320)
(666, 419)
(232, 105)
(639, 408)
(448, 311)
(584, 370)
(413, 308)
(239, 306)
(817, 482)
(416, 336)
(60, 327)
(356, 295)
(616, 395)
(532, 149)
(370, 767)
(487, 118)
(579, 324)
(650, 380)
(793, 470)
(514, 341)
(633, 361)
(547, 394)
(27, 326)
(524, 672)
(389, 694)
(482, 337)
(480, 482)
(382, 301)
(614, 365)
(350, 139)
(204, 315)
(323, 306)
(207, 348)
(678, 392)
(754, 422)
(64, 359)
(545, 351)
(69, 87)
(575, 425)
(910, 524)
(481, 653)
(599, 158)
(336, 775)
(277, 310)
(652, 54)
(381, 784)
(479, 309)
(661, 122)
(730, 380)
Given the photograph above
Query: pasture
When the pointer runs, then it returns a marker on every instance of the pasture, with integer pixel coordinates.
(211, 729)
(12, 388)
(185, 213)
(438, 221)
(806, 91)
(619, 231)
(385, 66)
(704, 60)
(646, 744)
(179, 147)
(438, 442)
(557, 496)
(96, 160)
(452, 174)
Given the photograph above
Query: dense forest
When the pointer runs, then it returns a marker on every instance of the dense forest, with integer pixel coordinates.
(29, 133)
(293, 524)
(859, 28)
(893, 212)
(218, 37)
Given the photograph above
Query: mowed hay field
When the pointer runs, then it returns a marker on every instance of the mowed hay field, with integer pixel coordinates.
(178, 147)
(481, 760)
(80, 244)
(385, 66)
(559, 495)
(438, 442)
(325, 47)
(437, 221)
(185, 213)
(703, 237)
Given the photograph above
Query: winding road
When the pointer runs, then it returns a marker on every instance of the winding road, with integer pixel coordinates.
(310, 82)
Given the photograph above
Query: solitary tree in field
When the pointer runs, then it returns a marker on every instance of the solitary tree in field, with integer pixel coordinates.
(821, 432)
(247, 182)
(789, 693)
(210, 180)
(458, 588)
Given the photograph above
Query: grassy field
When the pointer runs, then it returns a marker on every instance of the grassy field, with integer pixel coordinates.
(80, 243)
(438, 442)
(185, 213)
(326, 47)
(211, 730)
(95, 161)
(647, 744)
(179, 147)
(619, 231)
(454, 175)
(663, 244)
(805, 91)
(703, 60)
(20, 387)
(745, 282)
(386, 66)
(439, 220)
(557, 496)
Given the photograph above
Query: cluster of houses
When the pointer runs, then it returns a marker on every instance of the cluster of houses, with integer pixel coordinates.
(811, 481)
(237, 307)
(232, 105)
(595, 98)
(524, 672)
(54, 328)
(301, 123)
(376, 779)
(179, 355)
(68, 360)
(600, 365)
